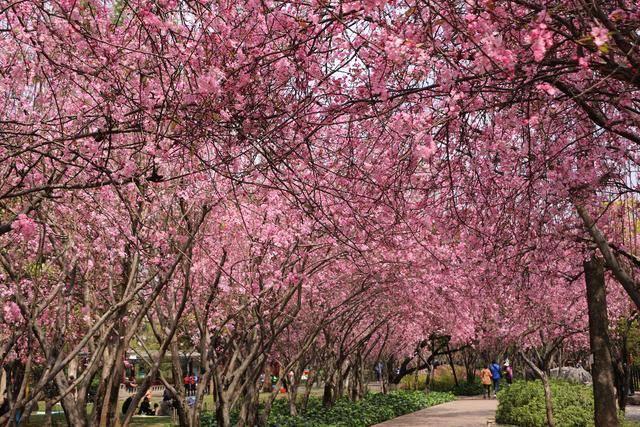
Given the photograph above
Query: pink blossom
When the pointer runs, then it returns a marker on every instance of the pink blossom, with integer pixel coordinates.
(600, 36)
(24, 226)
(547, 88)
(582, 61)
(541, 39)
(11, 312)
(618, 14)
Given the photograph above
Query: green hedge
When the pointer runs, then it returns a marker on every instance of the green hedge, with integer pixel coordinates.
(374, 408)
(522, 404)
(444, 382)
(466, 389)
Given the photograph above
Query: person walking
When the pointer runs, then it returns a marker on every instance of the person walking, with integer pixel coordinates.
(495, 376)
(485, 377)
(378, 369)
(508, 372)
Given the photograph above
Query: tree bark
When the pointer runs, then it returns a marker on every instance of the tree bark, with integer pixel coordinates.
(47, 413)
(250, 402)
(453, 368)
(311, 378)
(548, 403)
(222, 411)
(605, 407)
(327, 394)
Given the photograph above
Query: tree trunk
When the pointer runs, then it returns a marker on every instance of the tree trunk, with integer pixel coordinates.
(602, 372)
(453, 368)
(548, 403)
(194, 418)
(222, 412)
(469, 358)
(293, 395)
(327, 394)
(222, 402)
(311, 378)
(74, 408)
(362, 381)
(429, 379)
(47, 413)
(622, 371)
(266, 384)
(249, 408)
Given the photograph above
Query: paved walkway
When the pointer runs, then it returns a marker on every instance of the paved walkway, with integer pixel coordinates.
(464, 412)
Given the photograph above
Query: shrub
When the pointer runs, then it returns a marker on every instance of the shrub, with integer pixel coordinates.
(443, 381)
(443, 378)
(408, 382)
(372, 409)
(523, 404)
(466, 389)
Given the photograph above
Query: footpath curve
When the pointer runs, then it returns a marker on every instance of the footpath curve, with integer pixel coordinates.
(463, 412)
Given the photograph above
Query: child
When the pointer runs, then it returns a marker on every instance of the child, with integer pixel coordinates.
(485, 377)
(508, 372)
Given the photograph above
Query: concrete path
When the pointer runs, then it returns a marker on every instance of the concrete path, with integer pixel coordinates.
(464, 412)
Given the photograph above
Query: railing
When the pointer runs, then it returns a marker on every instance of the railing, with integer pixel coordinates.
(156, 390)
(635, 378)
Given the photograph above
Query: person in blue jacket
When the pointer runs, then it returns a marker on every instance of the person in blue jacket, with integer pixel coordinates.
(495, 376)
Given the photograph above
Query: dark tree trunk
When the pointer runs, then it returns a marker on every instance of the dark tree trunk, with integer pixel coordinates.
(222, 413)
(249, 408)
(47, 413)
(328, 392)
(469, 357)
(602, 372)
(311, 378)
(453, 368)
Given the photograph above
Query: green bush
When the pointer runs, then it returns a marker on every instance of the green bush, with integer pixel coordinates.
(443, 378)
(443, 382)
(408, 382)
(374, 408)
(522, 404)
(466, 389)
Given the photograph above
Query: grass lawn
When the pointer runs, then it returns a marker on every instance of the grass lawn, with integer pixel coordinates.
(208, 405)
(58, 420)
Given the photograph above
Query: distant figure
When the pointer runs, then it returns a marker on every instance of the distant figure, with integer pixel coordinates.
(145, 407)
(187, 384)
(126, 404)
(378, 370)
(192, 384)
(495, 376)
(131, 384)
(485, 377)
(156, 409)
(508, 371)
